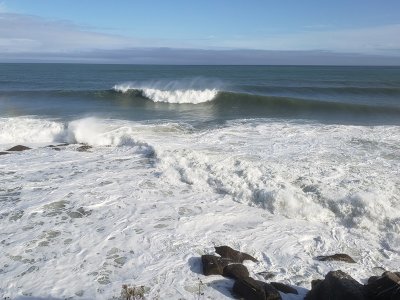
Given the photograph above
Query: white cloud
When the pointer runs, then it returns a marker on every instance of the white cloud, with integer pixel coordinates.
(31, 34)
(372, 40)
(23, 33)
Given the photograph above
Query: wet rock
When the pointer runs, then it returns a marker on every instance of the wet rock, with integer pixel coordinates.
(337, 285)
(214, 265)
(315, 282)
(384, 287)
(266, 275)
(373, 278)
(236, 256)
(84, 148)
(336, 257)
(4, 153)
(19, 148)
(251, 289)
(284, 288)
(235, 271)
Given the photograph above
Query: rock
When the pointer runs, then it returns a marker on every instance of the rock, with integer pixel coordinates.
(251, 289)
(235, 271)
(19, 148)
(385, 287)
(214, 265)
(266, 275)
(315, 282)
(4, 153)
(337, 285)
(337, 257)
(284, 288)
(373, 278)
(84, 148)
(236, 256)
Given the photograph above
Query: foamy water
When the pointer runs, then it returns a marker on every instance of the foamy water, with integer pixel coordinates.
(148, 199)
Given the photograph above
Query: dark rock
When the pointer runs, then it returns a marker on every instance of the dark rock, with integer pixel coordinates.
(337, 285)
(236, 256)
(315, 282)
(266, 275)
(284, 288)
(214, 265)
(251, 289)
(235, 271)
(385, 287)
(337, 257)
(4, 153)
(373, 278)
(19, 148)
(84, 148)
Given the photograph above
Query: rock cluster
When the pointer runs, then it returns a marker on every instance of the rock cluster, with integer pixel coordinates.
(337, 285)
(229, 264)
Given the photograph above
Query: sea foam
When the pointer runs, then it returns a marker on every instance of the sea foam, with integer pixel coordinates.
(84, 223)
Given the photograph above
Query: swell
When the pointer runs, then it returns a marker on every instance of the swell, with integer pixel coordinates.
(225, 100)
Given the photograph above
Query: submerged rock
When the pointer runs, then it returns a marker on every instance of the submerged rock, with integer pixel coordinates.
(337, 285)
(251, 289)
(19, 148)
(336, 257)
(214, 265)
(84, 148)
(236, 256)
(284, 288)
(384, 287)
(235, 271)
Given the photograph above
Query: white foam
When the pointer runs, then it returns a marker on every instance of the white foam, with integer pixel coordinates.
(29, 130)
(283, 192)
(172, 95)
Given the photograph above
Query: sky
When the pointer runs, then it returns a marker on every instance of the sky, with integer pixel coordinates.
(201, 32)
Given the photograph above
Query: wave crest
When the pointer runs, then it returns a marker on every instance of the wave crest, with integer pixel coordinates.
(171, 95)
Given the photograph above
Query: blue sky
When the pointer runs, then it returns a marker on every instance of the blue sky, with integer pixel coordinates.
(362, 27)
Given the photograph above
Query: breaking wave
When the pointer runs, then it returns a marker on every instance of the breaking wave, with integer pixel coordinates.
(193, 96)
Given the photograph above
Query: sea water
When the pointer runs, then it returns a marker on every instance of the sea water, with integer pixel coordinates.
(284, 163)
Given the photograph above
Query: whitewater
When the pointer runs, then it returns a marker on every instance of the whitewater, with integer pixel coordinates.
(134, 172)
(147, 200)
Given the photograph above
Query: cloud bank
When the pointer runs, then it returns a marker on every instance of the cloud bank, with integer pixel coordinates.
(25, 38)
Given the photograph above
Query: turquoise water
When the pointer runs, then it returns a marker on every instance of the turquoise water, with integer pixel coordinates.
(359, 95)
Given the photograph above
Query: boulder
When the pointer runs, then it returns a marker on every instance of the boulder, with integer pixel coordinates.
(284, 288)
(214, 265)
(84, 148)
(4, 153)
(336, 257)
(236, 256)
(337, 285)
(251, 289)
(235, 271)
(385, 287)
(19, 148)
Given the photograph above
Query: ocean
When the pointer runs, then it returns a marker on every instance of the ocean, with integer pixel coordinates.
(285, 163)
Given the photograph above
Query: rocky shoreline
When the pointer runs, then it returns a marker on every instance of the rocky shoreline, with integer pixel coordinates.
(337, 285)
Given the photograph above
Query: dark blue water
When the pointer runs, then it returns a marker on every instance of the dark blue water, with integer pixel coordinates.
(348, 95)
